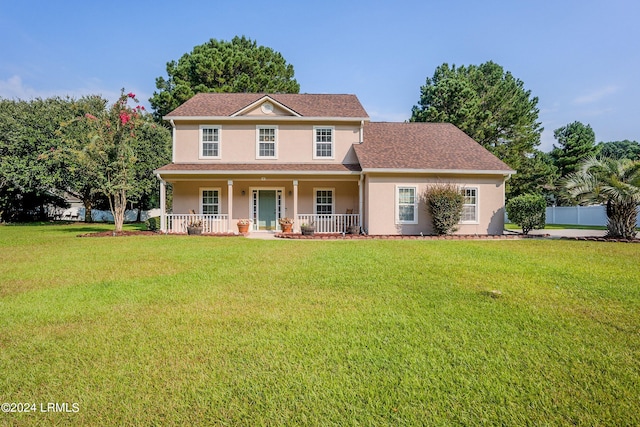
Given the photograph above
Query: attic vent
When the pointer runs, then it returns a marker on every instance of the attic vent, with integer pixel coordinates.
(267, 108)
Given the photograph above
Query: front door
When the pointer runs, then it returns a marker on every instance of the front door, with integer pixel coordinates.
(267, 215)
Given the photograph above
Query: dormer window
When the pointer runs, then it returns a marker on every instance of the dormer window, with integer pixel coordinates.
(323, 142)
(209, 142)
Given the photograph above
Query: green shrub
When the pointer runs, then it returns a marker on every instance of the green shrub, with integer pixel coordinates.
(444, 202)
(153, 223)
(528, 211)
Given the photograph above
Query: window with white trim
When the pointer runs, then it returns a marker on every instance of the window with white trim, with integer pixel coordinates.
(470, 205)
(324, 201)
(323, 142)
(266, 142)
(407, 206)
(209, 142)
(210, 201)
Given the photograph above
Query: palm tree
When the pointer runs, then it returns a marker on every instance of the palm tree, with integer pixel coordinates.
(615, 183)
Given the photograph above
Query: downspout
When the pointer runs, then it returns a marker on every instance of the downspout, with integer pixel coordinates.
(361, 131)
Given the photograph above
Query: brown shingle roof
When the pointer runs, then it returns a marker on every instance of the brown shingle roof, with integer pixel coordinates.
(307, 105)
(423, 146)
(266, 167)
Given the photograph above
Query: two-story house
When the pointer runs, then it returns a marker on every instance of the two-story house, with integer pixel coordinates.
(319, 160)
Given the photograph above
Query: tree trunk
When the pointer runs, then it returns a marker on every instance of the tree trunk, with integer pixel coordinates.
(87, 210)
(139, 214)
(118, 208)
(621, 220)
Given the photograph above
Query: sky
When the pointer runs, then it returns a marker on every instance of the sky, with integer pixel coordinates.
(580, 58)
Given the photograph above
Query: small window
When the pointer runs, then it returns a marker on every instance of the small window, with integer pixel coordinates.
(209, 142)
(407, 205)
(470, 206)
(324, 201)
(210, 201)
(266, 142)
(323, 143)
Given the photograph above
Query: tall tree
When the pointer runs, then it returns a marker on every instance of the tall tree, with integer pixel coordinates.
(27, 179)
(221, 66)
(74, 134)
(615, 183)
(619, 150)
(576, 143)
(536, 175)
(489, 104)
(109, 157)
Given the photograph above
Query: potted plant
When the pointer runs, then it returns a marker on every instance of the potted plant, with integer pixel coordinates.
(243, 225)
(307, 229)
(194, 227)
(286, 224)
(353, 229)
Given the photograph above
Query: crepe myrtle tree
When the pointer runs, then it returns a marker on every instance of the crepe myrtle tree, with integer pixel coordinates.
(110, 153)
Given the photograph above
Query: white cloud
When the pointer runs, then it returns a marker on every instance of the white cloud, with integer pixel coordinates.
(13, 88)
(595, 95)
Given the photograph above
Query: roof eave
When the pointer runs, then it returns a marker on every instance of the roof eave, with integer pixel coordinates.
(265, 119)
(159, 172)
(504, 172)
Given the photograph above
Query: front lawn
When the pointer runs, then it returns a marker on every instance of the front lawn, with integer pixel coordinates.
(179, 330)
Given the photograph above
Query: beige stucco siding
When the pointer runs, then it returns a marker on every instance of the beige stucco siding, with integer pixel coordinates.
(381, 202)
(295, 142)
(186, 195)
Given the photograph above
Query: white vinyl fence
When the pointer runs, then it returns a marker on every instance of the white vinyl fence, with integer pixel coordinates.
(77, 214)
(579, 215)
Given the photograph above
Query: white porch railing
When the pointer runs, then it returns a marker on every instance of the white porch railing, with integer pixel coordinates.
(177, 223)
(330, 223)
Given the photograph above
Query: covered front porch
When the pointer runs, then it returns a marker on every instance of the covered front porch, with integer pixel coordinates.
(219, 224)
(331, 204)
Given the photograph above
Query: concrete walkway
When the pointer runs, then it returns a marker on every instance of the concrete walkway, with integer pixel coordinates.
(569, 232)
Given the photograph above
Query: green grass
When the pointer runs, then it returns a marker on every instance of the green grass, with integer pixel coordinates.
(179, 330)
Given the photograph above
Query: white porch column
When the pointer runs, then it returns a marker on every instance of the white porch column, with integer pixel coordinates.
(296, 226)
(163, 205)
(230, 203)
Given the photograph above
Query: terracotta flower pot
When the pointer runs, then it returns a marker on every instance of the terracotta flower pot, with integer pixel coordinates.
(243, 228)
(286, 228)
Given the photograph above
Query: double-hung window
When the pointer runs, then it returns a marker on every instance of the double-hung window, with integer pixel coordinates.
(470, 206)
(407, 205)
(210, 142)
(323, 142)
(210, 201)
(266, 142)
(324, 201)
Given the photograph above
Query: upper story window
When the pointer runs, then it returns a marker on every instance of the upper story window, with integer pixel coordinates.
(267, 142)
(323, 142)
(470, 206)
(209, 142)
(407, 205)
